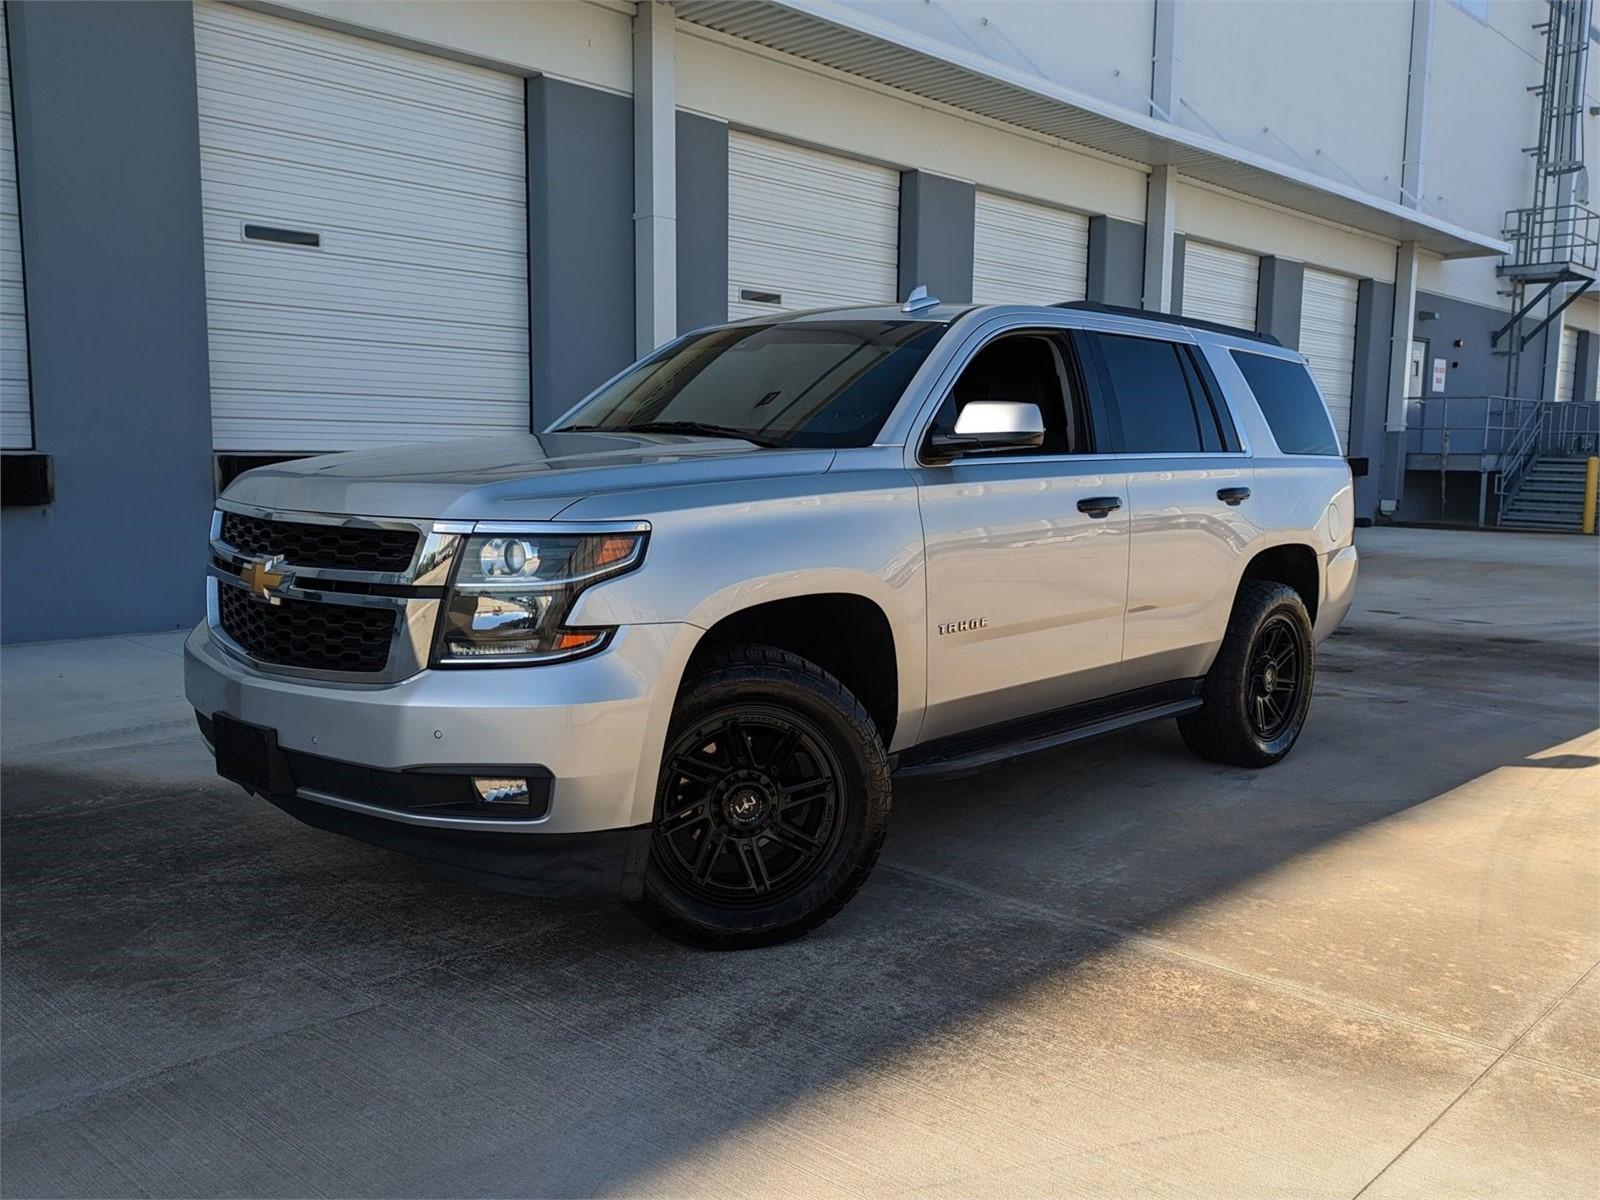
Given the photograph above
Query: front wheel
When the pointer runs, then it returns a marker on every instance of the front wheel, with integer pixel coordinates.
(772, 803)
(1258, 690)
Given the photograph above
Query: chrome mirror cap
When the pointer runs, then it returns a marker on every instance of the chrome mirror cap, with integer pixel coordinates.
(987, 420)
(988, 426)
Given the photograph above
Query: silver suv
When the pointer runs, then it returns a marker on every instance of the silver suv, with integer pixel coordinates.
(676, 648)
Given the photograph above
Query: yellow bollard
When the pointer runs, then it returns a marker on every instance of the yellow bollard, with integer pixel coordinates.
(1591, 477)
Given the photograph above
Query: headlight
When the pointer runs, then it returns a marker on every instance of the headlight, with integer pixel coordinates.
(513, 591)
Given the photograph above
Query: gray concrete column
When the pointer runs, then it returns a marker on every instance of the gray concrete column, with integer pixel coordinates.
(1279, 294)
(1369, 388)
(580, 241)
(936, 217)
(1179, 242)
(108, 162)
(1402, 327)
(655, 164)
(702, 221)
(1116, 261)
(1163, 274)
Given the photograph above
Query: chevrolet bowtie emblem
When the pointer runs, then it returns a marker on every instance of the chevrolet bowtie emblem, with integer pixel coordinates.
(262, 579)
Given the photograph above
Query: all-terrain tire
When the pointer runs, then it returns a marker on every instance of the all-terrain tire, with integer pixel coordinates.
(1230, 727)
(742, 709)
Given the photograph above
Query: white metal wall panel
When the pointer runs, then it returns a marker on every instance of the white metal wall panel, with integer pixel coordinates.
(410, 320)
(1025, 253)
(1567, 362)
(815, 229)
(1220, 284)
(1328, 340)
(16, 411)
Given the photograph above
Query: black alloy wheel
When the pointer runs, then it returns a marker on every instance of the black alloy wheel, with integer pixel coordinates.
(1255, 697)
(1277, 676)
(750, 806)
(771, 804)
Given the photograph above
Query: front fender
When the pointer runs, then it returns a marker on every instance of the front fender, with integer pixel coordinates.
(717, 551)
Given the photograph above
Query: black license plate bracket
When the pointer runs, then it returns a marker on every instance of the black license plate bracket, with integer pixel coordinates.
(249, 756)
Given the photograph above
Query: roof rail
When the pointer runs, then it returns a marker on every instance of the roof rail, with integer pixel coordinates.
(1119, 310)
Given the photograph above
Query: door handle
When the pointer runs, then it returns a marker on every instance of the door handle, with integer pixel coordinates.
(1100, 506)
(1233, 496)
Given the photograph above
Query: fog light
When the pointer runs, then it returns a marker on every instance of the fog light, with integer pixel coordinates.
(502, 791)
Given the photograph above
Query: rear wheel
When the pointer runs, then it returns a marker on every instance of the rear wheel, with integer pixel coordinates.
(772, 803)
(1258, 691)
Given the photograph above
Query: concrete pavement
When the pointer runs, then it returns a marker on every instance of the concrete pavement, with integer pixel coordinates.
(1113, 970)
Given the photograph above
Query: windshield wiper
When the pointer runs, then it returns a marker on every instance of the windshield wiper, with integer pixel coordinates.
(703, 428)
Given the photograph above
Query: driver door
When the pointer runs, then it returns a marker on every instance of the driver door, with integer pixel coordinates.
(1027, 549)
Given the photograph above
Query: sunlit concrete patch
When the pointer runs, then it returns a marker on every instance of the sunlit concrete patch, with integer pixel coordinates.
(1469, 913)
(1130, 1070)
(1524, 1130)
(1569, 1035)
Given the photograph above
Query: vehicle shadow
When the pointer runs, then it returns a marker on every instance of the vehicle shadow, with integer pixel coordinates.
(202, 996)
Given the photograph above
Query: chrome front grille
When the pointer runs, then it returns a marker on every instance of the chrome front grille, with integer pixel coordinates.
(341, 547)
(339, 598)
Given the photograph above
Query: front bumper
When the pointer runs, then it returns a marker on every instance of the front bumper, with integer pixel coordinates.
(595, 724)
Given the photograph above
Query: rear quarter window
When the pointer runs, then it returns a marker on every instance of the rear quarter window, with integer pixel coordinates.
(1288, 399)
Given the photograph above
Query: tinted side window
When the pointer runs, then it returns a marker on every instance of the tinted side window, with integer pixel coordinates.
(1289, 400)
(1031, 368)
(1149, 386)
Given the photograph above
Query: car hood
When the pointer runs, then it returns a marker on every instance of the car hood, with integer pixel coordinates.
(529, 477)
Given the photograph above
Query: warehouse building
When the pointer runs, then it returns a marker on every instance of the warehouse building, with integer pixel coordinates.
(231, 233)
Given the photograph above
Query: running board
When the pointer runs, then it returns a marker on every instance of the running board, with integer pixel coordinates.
(968, 752)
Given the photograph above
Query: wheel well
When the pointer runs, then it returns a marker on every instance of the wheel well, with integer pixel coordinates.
(847, 636)
(1294, 565)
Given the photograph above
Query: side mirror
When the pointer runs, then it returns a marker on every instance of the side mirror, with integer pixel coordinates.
(985, 426)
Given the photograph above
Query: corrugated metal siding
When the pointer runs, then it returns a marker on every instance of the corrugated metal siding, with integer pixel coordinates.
(410, 321)
(1328, 340)
(815, 228)
(1220, 284)
(16, 411)
(1567, 362)
(1027, 253)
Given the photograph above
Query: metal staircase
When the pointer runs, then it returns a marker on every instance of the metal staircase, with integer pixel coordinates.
(1555, 248)
(1550, 497)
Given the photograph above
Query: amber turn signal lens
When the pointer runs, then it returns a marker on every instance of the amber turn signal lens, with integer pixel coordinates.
(614, 550)
(576, 641)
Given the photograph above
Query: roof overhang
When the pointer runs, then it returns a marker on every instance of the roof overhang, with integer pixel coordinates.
(825, 32)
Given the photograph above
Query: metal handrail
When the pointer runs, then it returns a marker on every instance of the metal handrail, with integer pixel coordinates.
(1559, 235)
(1520, 453)
(1505, 428)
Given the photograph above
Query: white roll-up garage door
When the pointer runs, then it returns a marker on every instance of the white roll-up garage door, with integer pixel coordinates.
(16, 413)
(1328, 340)
(1024, 253)
(408, 319)
(807, 229)
(1567, 362)
(1220, 284)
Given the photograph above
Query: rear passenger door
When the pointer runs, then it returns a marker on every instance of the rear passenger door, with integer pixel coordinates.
(1189, 491)
(1027, 550)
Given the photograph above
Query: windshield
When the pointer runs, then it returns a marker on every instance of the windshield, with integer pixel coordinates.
(798, 383)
